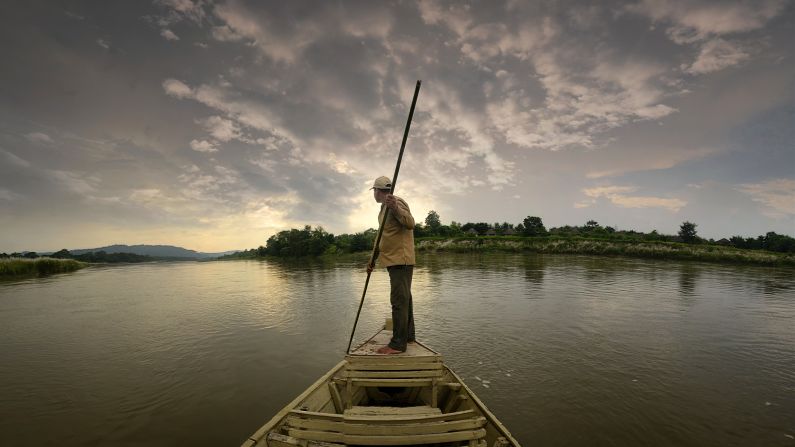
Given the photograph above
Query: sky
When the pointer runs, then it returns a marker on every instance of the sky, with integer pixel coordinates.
(213, 124)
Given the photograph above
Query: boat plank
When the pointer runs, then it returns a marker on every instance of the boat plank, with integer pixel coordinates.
(390, 411)
(280, 440)
(392, 374)
(433, 438)
(404, 419)
(315, 424)
(391, 366)
(424, 428)
(317, 415)
(392, 382)
(335, 396)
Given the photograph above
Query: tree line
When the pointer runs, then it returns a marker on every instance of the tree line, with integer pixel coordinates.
(95, 257)
(316, 241)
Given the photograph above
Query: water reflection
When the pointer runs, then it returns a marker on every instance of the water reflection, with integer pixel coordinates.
(688, 276)
(534, 268)
(202, 353)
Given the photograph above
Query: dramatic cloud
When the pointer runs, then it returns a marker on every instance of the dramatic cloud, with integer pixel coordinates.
(211, 124)
(188, 9)
(694, 20)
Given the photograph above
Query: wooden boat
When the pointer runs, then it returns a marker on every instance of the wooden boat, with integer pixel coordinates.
(371, 399)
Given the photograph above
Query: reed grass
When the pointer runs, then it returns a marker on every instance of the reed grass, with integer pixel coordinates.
(16, 267)
(656, 249)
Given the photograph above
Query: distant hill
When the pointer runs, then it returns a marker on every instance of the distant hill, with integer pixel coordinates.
(163, 251)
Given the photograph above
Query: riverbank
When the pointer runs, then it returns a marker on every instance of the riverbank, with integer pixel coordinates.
(651, 249)
(17, 267)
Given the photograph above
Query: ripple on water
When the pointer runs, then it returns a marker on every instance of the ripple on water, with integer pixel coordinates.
(566, 350)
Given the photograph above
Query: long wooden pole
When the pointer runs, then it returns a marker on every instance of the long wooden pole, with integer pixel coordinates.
(374, 254)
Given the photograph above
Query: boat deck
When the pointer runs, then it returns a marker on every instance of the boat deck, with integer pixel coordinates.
(369, 347)
(408, 399)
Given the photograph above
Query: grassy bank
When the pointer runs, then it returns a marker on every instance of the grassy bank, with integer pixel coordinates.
(16, 267)
(659, 250)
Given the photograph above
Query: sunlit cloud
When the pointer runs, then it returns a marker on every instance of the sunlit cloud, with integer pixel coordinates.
(658, 160)
(39, 137)
(181, 121)
(203, 146)
(76, 182)
(717, 54)
(169, 35)
(694, 20)
(778, 196)
(177, 89)
(221, 129)
(618, 195)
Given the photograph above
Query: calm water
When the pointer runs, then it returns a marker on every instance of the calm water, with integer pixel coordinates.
(565, 350)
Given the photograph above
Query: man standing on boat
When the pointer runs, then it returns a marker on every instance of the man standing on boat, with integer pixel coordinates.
(396, 253)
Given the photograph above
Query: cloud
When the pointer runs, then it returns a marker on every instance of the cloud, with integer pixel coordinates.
(203, 146)
(691, 21)
(177, 89)
(39, 137)
(191, 10)
(717, 54)
(619, 197)
(169, 35)
(6, 194)
(265, 27)
(586, 88)
(225, 33)
(103, 43)
(76, 182)
(256, 115)
(778, 195)
(73, 15)
(13, 159)
(470, 143)
(579, 105)
(655, 160)
(221, 129)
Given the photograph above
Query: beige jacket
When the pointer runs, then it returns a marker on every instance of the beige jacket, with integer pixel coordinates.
(397, 240)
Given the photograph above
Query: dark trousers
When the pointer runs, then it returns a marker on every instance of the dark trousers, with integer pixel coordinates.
(402, 309)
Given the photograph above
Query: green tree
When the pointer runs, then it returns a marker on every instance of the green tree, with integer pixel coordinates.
(687, 232)
(778, 242)
(533, 226)
(62, 254)
(421, 230)
(433, 222)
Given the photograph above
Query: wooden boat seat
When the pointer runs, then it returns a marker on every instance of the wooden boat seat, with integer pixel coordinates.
(387, 426)
(392, 371)
(421, 410)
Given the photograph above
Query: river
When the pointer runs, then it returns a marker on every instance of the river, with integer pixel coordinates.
(565, 350)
